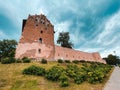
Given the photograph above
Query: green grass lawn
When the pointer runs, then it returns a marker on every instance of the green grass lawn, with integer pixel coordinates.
(11, 78)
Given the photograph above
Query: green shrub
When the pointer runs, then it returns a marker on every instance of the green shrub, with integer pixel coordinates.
(63, 80)
(12, 59)
(96, 72)
(95, 76)
(84, 65)
(5, 61)
(8, 60)
(79, 77)
(82, 61)
(75, 61)
(18, 61)
(64, 83)
(78, 74)
(67, 61)
(91, 62)
(44, 61)
(34, 70)
(60, 61)
(72, 70)
(92, 73)
(26, 60)
(54, 73)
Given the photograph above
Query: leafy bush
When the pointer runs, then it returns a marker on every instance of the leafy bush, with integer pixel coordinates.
(60, 61)
(96, 72)
(91, 62)
(82, 61)
(92, 73)
(5, 61)
(8, 60)
(18, 61)
(63, 80)
(95, 76)
(71, 70)
(54, 73)
(67, 61)
(64, 83)
(79, 77)
(75, 61)
(26, 60)
(34, 70)
(12, 59)
(44, 61)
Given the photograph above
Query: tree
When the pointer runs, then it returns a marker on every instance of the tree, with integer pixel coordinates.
(64, 40)
(7, 48)
(112, 59)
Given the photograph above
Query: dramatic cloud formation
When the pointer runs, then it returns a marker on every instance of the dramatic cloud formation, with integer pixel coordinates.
(93, 25)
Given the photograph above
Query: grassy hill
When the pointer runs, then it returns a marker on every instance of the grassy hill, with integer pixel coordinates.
(11, 78)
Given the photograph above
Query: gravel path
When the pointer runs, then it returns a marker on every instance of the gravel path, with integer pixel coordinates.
(114, 81)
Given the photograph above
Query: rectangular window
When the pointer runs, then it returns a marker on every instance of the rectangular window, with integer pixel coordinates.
(39, 50)
(40, 40)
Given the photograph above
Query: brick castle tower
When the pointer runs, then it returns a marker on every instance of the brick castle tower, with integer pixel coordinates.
(37, 42)
(37, 39)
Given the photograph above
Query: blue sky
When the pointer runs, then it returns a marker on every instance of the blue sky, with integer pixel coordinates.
(93, 25)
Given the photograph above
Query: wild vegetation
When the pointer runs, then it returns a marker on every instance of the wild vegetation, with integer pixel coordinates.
(52, 76)
(92, 73)
(7, 48)
(34, 70)
(44, 61)
(64, 40)
(60, 61)
(112, 59)
(9, 60)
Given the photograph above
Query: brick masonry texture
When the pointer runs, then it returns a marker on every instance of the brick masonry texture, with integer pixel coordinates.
(37, 42)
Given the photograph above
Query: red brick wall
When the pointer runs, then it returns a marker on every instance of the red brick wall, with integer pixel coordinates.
(70, 54)
(35, 50)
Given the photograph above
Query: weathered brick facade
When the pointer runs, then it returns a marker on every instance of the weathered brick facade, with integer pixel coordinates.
(37, 41)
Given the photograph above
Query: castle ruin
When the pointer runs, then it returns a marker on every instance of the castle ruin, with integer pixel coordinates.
(37, 42)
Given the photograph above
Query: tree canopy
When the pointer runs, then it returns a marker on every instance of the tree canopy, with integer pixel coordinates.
(7, 48)
(112, 59)
(64, 40)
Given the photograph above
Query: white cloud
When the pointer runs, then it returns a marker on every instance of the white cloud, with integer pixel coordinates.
(111, 28)
(95, 7)
(106, 52)
(86, 49)
(108, 40)
(3, 35)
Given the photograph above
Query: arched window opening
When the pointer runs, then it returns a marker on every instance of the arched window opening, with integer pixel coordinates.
(41, 32)
(40, 40)
(36, 20)
(39, 50)
(36, 24)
